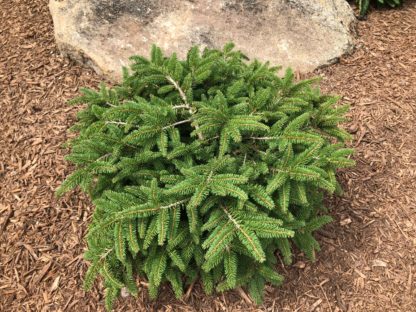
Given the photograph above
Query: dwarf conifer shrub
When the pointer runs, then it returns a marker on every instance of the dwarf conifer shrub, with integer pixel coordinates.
(204, 169)
(364, 5)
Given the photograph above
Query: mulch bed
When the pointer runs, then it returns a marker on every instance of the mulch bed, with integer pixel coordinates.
(367, 262)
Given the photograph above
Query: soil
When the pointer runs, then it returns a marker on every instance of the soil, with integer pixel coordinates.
(367, 261)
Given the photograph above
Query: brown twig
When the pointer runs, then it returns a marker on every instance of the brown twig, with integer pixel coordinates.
(189, 291)
(9, 214)
(243, 295)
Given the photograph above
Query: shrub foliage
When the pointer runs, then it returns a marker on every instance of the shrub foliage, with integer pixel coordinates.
(204, 169)
(364, 5)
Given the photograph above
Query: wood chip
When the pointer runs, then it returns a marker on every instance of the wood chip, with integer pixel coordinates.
(345, 222)
(377, 79)
(55, 284)
(315, 305)
(379, 263)
(42, 273)
(6, 219)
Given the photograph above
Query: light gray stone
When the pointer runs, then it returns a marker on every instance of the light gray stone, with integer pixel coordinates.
(302, 34)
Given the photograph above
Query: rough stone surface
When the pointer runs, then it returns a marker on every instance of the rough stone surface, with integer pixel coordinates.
(302, 34)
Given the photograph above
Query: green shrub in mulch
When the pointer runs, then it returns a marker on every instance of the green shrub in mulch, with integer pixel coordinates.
(204, 169)
(364, 5)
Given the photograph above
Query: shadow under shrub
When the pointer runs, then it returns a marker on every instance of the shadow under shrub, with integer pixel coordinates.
(364, 5)
(204, 169)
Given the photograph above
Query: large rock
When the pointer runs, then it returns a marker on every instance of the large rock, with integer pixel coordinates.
(303, 34)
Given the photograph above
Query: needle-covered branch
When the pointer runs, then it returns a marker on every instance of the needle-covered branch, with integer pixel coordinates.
(203, 169)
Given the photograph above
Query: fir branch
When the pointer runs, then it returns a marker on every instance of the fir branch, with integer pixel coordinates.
(176, 124)
(264, 138)
(251, 240)
(116, 123)
(134, 211)
(180, 106)
(181, 93)
(186, 105)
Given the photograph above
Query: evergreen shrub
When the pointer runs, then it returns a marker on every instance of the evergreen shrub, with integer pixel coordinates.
(204, 169)
(364, 5)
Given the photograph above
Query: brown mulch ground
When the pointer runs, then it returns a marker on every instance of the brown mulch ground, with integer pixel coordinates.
(367, 262)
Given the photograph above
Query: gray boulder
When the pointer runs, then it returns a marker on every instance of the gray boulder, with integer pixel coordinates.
(302, 34)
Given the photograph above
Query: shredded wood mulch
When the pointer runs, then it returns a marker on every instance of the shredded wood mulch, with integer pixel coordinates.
(367, 261)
